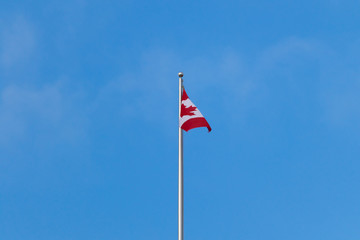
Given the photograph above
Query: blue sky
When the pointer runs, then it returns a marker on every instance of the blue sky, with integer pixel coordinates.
(88, 119)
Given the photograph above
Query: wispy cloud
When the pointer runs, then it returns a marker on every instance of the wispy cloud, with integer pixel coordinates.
(342, 106)
(228, 81)
(222, 78)
(18, 41)
(294, 70)
(32, 113)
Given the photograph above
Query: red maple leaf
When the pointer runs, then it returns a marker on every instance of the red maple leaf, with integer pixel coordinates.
(187, 110)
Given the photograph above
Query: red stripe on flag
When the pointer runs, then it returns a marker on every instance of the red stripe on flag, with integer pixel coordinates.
(195, 123)
(184, 95)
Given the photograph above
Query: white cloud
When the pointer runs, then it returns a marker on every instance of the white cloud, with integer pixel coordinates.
(151, 92)
(226, 81)
(28, 114)
(340, 100)
(18, 40)
(343, 107)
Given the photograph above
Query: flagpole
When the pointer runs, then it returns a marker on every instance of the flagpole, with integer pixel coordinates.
(181, 172)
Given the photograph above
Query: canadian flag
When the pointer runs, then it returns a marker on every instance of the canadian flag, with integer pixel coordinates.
(190, 116)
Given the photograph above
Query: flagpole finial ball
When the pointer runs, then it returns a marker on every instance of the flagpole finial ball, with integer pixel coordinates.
(181, 74)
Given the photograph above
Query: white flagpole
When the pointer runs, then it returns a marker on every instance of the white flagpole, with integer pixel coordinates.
(181, 172)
